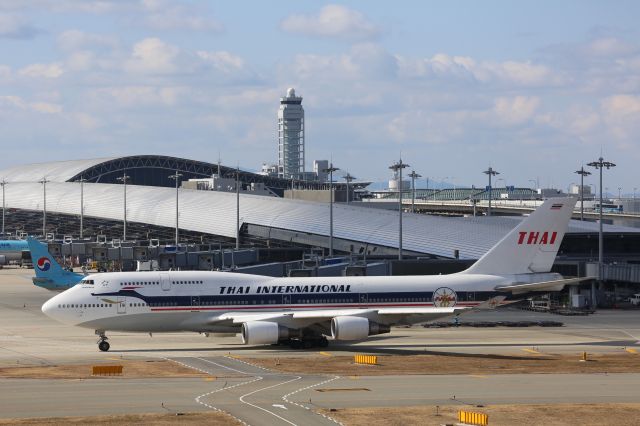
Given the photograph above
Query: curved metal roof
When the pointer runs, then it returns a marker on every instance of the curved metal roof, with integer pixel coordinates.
(55, 171)
(214, 213)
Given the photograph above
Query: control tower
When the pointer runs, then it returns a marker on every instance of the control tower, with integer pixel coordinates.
(291, 136)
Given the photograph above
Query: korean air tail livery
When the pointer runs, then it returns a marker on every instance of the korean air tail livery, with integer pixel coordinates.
(49, 273)
(304, 311)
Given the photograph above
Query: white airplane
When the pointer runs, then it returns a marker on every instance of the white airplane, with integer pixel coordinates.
(302, 311)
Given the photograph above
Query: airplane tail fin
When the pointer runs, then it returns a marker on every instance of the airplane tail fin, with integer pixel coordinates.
(49, 273)
(532, 246)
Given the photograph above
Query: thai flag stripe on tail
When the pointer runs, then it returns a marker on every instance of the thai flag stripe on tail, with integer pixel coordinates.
(556, 206)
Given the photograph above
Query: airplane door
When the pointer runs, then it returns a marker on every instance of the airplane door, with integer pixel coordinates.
(122, 304)
(364, 299)
(195, 303)
(165, 282)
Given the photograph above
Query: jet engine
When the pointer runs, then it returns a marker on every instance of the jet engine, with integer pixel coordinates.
(265, 333)
(355, 328)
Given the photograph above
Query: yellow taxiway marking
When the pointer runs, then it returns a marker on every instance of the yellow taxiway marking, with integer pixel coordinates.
(532, 351)
(209, 379)
(631, 350)
(325, 354)
(478, 376)
(235, 356)
(354, 377)
(115, 359)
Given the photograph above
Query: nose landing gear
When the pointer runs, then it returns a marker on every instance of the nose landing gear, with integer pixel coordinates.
(103, 345)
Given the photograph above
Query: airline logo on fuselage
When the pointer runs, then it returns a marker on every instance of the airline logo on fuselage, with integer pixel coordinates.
(540, 238)
(284, 289)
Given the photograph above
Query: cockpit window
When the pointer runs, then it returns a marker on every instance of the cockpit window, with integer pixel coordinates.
(86, 281)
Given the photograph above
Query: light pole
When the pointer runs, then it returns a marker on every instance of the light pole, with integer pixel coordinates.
(82, 180)
(238, 207)
(349, 178)
(397, 168)
(413, 175)
(491, 173)
(582, 172)
(44, 205)
(599, 165)
(619, 193)
(124, 179)
(330, 170)
(176, 176)
(3, 183)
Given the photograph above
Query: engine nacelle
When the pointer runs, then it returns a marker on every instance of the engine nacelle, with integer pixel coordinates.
(265, 333)
(355, 328)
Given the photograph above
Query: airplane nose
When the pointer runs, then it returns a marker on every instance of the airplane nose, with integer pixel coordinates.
(49, 307)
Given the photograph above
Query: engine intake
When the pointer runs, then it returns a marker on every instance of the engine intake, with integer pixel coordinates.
(265, 333)
(355, 328)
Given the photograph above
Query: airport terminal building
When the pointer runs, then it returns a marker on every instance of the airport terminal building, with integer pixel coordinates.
(209, 216)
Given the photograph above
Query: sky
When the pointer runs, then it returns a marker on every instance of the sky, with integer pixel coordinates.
(534, 89)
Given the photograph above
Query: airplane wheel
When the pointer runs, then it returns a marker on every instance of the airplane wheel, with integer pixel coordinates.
(324, 343)
(295, 344)
(104, 346)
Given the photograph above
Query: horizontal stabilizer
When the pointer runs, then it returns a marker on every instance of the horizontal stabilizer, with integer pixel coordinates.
(555, 285)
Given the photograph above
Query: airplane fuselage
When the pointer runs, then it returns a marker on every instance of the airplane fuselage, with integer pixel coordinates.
(194, 301)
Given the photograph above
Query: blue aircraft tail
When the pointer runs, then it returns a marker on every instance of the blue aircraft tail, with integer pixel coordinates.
(49, 273)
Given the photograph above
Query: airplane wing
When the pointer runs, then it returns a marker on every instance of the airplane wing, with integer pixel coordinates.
(390, 315)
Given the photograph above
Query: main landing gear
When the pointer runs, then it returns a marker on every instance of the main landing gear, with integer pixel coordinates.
(307, 342)
(103, 345)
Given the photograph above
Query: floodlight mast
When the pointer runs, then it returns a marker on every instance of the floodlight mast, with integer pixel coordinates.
(491, 173)
(413, 175)
(582, 172)
(330, 170)
(82, 180)
(124, 178)
(349, 178)
(599, 165)
(44, 205)
(3, 182)
(176, 176)
(397, 168)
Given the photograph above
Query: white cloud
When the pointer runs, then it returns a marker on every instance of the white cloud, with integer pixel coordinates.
(622, 117)
(18, 103)
(72, 40)
(153, 56)
(46, 107)
(222, 61)
(515, 110)
(332, 21)
(13, 26)
(463, 67)
(53, 70)
(138, 96)
(163, 15)
(610, 46)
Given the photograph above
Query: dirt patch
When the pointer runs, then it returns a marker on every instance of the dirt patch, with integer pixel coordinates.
(455, 364)
(522, 415)
(215, 419)
(131, 369)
